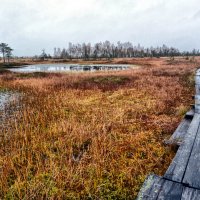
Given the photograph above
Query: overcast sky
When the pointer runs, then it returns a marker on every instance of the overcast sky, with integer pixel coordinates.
(28, 26)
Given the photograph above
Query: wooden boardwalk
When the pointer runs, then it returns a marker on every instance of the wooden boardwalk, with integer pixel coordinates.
(182, 179)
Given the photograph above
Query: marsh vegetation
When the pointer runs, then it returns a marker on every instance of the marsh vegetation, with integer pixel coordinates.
(91, 135)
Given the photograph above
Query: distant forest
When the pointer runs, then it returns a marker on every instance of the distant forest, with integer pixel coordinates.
(120, 50)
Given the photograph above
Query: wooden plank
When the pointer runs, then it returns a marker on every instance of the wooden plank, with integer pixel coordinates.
(192, 173)
(192, 106)
(190, 194)
(197, 103)
(190, 114)
(170, 191)
(197, 89)
(150, 188)
(179, 134)
(158, 188)
(177, 168)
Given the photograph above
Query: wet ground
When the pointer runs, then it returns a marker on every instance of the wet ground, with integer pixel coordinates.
(8, 104)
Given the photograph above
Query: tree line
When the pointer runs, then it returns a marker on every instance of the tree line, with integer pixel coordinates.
(6, 52)
(120, 50)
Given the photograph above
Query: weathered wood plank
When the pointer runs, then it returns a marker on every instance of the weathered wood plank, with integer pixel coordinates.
(197, 90)
(192, 106)
(177, 168)
(150, 188)
(170, 191)
(190, 114)
(192, 173)
(158, 188)
(190, 194)
(179, 134)
(197, 103)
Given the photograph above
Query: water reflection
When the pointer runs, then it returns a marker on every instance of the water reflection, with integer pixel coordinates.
(67, 68)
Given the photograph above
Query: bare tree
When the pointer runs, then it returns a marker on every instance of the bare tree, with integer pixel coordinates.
(120, 50)
(8, 53)
(3, 47)
(43, 55)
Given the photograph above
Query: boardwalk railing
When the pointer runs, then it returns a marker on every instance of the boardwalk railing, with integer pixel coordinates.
(182, 179)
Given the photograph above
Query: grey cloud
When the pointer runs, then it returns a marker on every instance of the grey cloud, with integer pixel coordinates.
(31, 25)
(197, 14)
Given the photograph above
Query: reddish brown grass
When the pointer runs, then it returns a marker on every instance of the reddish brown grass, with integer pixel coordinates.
(92, 135)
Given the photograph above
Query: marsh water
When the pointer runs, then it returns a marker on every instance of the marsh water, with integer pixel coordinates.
(7, 98)
(67, 68)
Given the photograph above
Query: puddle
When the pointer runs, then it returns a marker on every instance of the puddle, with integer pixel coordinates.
(8, 104)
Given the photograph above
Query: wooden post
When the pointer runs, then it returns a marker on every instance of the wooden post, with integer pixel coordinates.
(197, 96)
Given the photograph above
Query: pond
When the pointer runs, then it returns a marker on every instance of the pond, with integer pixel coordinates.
(67, 68)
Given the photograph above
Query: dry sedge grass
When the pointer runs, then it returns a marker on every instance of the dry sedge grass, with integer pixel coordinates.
(92, 135)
